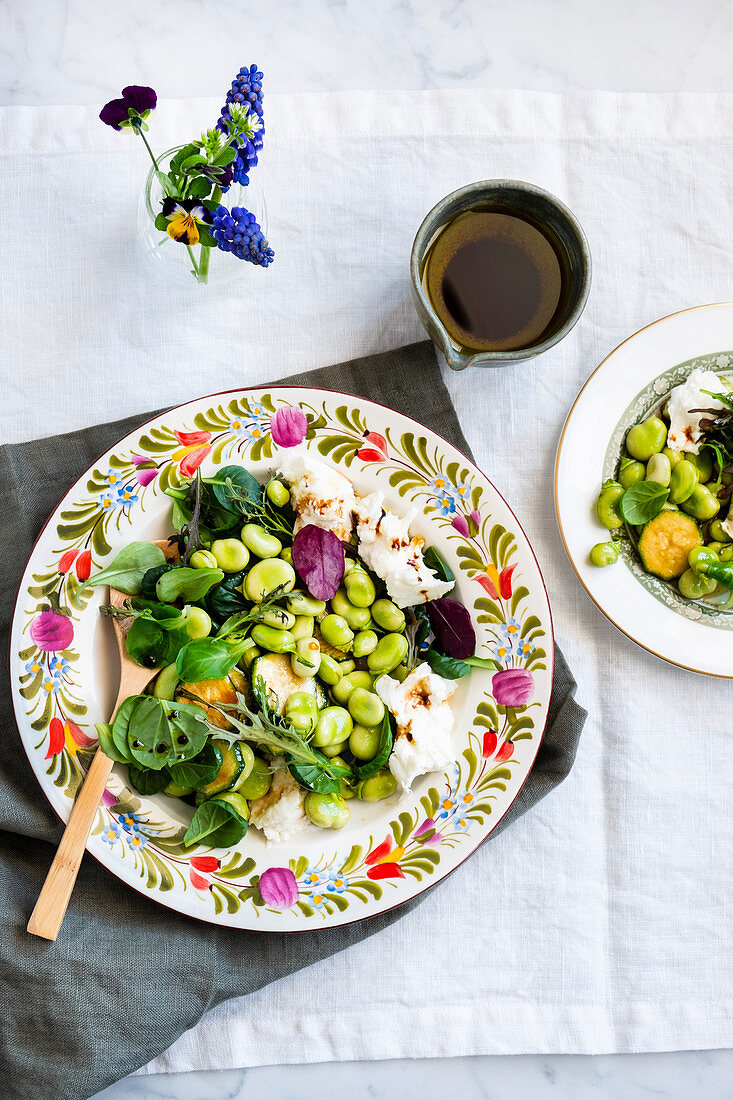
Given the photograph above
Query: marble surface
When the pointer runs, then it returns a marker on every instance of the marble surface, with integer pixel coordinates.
(82, 52)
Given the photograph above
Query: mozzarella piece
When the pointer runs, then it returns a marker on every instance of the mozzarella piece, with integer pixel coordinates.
(325, 498)
(422, 711)
(319, 494)
(386, 547)
(684, 427)
(280, 813)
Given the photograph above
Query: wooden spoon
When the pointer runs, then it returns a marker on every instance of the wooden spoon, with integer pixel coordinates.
(53, 900)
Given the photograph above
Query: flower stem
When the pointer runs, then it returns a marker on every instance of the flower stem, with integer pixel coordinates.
(196, 270)
(205, 257)
(150, 151)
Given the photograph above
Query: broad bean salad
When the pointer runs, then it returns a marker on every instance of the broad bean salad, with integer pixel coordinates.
(671, 496)
(306, 647)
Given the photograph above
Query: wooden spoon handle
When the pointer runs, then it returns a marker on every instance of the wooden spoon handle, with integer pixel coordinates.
(54, 898)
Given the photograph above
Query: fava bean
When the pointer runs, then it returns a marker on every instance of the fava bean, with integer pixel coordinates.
(277, 616)
(701, 503)
(333, 751)
(607, 505)
(249, 656)
(659, 468)
(365, 643)
(346, 665)
(726, 554)
(683, 481)
(631, 471)
(700, 556)
(694, 585)
(357, 617)
(349, 564)
(360, 588)
(327, 811)
(329, 670)
(604, 553)
(337, 632)
(364, 742)
(306, 659)
(266, 576)
(400, 673)
(716, 547)
(365, 707)
(379, 786)
(286, 554)
(302, 627)
(231, 555)
(646, 439)
(301, 711)
(278, 493)
(203, 559)
(333, 728)
(673, 456)
(388, 615)
(704, 462)
(175, 790)
(343, 689)
(300, 604)
(260, 541)
(390, 652)
(269, 637)
(198, 622)
(345, 788)
(718, 532)
(258, 782)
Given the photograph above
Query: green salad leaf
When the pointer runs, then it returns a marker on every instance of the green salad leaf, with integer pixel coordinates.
(386, 741)
(149, 736)
(128, 568)
(107, 744)
(217, 824)
(146, 781)
(187, 584)
(150, 579)
(643, 501)
(201, 769)
(209, 658)
(438, 564)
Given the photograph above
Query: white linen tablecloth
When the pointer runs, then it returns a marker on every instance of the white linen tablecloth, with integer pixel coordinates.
(601, 921)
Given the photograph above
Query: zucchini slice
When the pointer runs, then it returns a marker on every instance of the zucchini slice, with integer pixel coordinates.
(166, 683)
(216, 691)
(232, 766)
(280, 681)
(665, 543)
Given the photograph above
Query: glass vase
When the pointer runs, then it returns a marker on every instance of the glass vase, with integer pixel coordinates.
(183, 264)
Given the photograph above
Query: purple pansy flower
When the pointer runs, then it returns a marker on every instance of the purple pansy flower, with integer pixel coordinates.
(512, 687)
(288, 426)
(135, 97)
(279, 887)
(52, 632)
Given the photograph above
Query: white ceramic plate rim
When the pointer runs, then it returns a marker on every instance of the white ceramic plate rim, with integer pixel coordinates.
(62, 805)
(598, 408)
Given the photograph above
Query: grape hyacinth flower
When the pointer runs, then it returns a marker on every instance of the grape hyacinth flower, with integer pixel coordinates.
(237, 231)
(243, 110)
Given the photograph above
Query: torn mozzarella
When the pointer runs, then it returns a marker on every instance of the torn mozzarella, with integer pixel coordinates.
(422, 712)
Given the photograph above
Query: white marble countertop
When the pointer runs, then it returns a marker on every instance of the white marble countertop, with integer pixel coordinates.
(83, 52)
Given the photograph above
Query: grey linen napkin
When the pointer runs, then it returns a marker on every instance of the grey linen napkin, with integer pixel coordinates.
(126, 976)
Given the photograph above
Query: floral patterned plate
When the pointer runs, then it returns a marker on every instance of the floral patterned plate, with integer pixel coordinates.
(64, 669)
(628, 385)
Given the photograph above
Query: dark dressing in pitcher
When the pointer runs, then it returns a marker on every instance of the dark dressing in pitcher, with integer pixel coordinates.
(495, 281)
